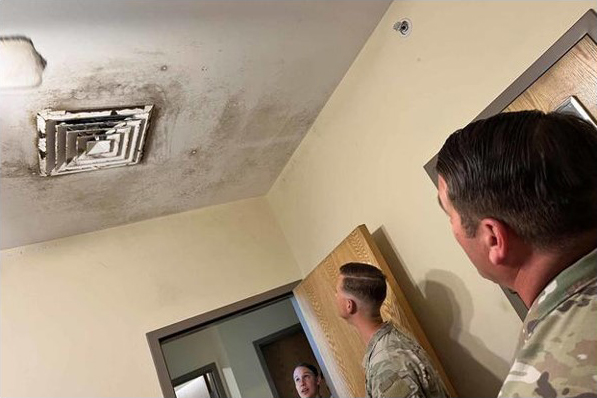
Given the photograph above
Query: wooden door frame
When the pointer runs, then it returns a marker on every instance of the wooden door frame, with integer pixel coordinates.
(156, 338)
(585, 26)
(270, 339)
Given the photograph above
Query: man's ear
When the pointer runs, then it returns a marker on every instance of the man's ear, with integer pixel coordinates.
(495, 235)
(351, 306)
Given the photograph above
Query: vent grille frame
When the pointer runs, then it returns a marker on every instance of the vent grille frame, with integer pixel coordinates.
(85, 140)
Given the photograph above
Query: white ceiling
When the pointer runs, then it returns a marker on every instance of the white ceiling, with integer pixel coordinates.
(236, 85)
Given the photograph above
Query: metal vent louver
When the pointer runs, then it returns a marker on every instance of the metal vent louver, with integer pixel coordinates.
(77, 141)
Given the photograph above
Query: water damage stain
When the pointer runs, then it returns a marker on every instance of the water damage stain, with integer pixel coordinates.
(204, 147)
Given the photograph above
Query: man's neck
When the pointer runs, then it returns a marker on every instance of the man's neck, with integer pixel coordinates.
(367, 327)
(543, 266)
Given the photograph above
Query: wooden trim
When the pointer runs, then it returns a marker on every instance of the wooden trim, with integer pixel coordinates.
(269, 339)
(585, 26)
(156, 338)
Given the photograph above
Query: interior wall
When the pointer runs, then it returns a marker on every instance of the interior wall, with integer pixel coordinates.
(75, 311)
(238, 335)
(194, 351)
(362, 162)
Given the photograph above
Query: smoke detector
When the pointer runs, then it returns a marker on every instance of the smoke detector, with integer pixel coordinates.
(78, 141)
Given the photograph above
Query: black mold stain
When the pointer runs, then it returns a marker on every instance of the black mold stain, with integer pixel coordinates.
(18, 168)
(20, 159)
(106, 87)
(168, 97)
(246, 147)
(238, 157)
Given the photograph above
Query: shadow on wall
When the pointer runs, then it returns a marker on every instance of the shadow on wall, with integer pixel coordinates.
(445, 317)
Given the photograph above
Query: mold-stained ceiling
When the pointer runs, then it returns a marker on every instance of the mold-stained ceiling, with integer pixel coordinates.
(235, 85)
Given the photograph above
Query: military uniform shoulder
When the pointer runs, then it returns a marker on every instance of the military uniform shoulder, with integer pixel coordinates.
(558, 349)
(399, 367)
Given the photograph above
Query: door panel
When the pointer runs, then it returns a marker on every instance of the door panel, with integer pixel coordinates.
(339, 345)
(574, 74)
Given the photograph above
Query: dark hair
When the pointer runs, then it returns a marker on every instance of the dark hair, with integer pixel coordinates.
(308, 366)
(364, 281)
(535, 172)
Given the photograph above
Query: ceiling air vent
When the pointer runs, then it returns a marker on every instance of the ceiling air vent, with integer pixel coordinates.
(76, 141)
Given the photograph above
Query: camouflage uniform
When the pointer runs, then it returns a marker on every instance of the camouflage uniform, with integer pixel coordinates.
(396, 366)
(557, 351)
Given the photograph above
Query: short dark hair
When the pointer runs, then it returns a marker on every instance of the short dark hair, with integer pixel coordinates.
(535, 172)
(308, 366)
(364, 281)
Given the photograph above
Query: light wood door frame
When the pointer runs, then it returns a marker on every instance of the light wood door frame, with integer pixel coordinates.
(585, 26)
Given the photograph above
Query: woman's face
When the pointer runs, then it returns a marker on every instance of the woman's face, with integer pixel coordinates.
(306, 383)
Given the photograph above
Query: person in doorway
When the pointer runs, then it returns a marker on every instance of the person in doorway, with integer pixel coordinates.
(520, 190)
(307, 380)
(395, 364)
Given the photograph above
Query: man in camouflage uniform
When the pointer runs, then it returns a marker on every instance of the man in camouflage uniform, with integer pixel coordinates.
(395, 364)
(520, 189)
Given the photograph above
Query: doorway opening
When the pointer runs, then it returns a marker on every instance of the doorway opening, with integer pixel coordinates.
(200, 383)
(248, 349)
(279, 353)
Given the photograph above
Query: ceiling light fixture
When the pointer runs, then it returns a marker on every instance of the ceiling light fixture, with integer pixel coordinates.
(21, 66)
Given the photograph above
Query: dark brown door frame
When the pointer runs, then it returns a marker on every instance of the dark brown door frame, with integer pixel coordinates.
(156, 338)
(585, 26)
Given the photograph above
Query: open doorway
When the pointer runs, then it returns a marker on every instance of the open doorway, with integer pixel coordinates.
(204, 382)
(248, 349)
(279, 353)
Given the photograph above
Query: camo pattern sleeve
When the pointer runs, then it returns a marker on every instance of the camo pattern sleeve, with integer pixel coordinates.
(397, 366)
(557, 351)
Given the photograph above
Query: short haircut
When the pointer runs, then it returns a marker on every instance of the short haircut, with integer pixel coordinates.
(364, 281)
(308, 366)
(535, 172)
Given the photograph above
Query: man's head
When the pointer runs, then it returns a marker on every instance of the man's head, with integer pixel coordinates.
(360, 289)
(306, 380)
(518, 180)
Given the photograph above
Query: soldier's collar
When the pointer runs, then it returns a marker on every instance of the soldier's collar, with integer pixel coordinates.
(562, 287)
(385, 328)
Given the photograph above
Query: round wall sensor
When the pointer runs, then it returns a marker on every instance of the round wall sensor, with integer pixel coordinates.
(404, 27)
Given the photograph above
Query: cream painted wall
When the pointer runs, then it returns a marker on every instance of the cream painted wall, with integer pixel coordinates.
(75, 311)
(362, 162)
